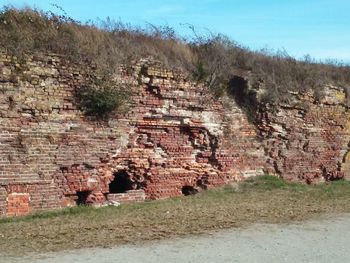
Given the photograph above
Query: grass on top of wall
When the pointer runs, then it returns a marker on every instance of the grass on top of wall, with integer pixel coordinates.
(210, 58)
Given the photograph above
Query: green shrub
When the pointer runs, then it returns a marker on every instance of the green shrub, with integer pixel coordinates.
(102, 98)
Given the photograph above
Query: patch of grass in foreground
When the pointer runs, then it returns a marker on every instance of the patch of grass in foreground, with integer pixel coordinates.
(50, 214)
(268, 182)
(263, 199)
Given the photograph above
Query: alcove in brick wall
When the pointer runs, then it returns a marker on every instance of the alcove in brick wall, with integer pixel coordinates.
(121, 183)
(188, 190)
(82, 197)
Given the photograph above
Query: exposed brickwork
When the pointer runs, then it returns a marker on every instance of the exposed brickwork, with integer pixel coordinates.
(308, 140)
(173, 136)
(178, 138)
(42, 132)
(3, 201)
(18, 204)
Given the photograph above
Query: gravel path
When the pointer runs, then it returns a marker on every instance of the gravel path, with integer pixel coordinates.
(324, 240)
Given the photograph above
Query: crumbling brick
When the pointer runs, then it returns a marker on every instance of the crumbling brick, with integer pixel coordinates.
(175, 135)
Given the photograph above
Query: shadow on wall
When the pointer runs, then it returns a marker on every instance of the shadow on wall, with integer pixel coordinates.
(245, 97)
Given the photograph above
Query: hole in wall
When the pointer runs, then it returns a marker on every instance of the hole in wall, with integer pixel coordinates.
(82, 197)
(11, 103)
(238, 87)
(203, 184)
(245, 97)
(189, 190)
(121, 183)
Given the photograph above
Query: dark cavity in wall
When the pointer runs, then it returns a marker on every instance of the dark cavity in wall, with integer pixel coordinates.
(244, 96)
(203, 183)
(121, 183)
(189, 190)
(82, 197)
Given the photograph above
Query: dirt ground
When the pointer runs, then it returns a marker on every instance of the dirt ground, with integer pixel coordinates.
(321, 240)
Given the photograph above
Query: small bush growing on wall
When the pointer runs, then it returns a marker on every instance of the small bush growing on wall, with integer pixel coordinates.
(102, 98)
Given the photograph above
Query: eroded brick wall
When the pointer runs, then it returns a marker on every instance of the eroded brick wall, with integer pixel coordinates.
(179, 138)
(308, 139)
(43, 134)
(173, 136)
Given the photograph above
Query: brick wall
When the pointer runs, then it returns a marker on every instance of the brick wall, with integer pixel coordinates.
(18, 204)
(3, 201)
(43, 133)
(175, 136)
(179, 138)
(308, 139)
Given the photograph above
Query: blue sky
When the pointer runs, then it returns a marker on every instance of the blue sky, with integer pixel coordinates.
(320, 28)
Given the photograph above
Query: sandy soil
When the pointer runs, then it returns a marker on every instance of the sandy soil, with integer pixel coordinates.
(323, 240)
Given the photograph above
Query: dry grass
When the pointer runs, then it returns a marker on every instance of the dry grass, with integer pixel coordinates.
(219, 58)
(266, 199)
(106, 44)
(213, 59)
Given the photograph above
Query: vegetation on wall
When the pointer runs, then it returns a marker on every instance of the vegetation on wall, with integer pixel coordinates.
(213, 59)
(278, 72)
(102, 98)
(106, 43)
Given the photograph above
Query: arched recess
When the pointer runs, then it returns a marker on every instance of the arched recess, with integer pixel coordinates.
(121, 183)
